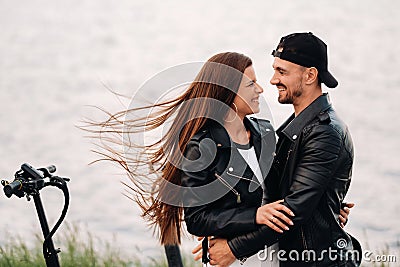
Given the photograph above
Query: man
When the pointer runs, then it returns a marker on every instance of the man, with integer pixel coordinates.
(311, 170)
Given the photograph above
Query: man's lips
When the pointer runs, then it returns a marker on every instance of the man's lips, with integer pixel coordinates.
(281, 87)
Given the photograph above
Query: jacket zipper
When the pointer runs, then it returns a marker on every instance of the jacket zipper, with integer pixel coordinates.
(285, 167)
(288, 154)
(238, 200)
(243, 178)
(303, 238)
(304, 242)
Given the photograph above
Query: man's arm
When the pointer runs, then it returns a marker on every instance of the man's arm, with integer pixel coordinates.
(313, 174)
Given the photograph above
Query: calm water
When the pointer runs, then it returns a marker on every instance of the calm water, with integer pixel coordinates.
(56, 55)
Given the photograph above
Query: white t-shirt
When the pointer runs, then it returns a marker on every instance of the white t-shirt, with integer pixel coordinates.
(249, 155)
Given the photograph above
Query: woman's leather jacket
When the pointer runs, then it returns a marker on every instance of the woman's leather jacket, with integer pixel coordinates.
(223, 194)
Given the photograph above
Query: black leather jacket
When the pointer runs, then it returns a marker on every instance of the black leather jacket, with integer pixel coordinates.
(224, 192)
(312, 173)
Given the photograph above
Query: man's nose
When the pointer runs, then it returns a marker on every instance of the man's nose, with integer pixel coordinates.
(274, 80)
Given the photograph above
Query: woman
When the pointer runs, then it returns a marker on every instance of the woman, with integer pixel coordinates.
(218, 179)
(244, 149)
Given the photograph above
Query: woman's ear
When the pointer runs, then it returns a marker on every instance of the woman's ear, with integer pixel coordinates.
(311, 75)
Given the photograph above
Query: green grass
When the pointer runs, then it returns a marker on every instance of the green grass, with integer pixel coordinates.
(391, 257)
(371, 254)
(78, 248)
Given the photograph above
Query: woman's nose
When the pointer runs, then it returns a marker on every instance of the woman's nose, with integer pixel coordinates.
(260, 89)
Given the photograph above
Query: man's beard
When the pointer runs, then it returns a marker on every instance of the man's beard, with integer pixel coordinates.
(290, 96)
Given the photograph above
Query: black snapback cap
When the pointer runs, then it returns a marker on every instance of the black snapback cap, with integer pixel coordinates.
(307, 50)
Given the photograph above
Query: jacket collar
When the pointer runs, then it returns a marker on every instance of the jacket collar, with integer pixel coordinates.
(293, 126)
(221, 136)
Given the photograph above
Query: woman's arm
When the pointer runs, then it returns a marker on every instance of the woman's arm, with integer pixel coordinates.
(203, 195)
(203, 217)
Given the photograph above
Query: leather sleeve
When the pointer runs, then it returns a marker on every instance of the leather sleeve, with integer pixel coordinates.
(209, 219)
(317, 161)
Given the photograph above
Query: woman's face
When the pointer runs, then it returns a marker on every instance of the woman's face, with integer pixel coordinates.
(247, 98)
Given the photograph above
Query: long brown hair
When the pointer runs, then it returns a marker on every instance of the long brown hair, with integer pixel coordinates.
(213, 82)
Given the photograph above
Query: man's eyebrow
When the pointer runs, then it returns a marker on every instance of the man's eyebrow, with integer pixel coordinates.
(279, 69)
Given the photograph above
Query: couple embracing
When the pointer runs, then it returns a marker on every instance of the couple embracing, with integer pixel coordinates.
(256, 202)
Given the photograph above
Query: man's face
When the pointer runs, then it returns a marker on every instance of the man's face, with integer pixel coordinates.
(288, 78)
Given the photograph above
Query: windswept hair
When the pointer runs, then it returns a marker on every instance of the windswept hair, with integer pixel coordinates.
(150, 167)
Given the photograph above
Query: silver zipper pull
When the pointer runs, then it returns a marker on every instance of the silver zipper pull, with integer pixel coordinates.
(288, 154)
(238, 200)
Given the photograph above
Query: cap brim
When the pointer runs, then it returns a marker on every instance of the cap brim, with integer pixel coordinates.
(328, 79)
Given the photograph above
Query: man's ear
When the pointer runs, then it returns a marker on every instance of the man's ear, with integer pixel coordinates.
(311, 75)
